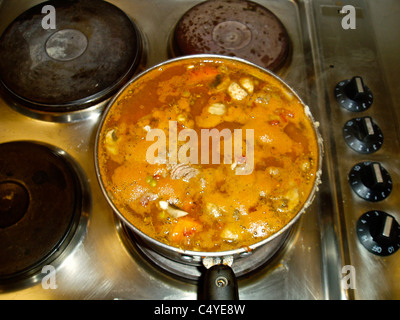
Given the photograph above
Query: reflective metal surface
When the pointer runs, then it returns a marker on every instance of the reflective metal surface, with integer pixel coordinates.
(367, 51)
(97, 264)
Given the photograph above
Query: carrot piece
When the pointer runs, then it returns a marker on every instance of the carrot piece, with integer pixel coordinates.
(205, 73)
(185, 227)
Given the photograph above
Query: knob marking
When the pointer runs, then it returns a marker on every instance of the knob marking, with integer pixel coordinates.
(379, 232)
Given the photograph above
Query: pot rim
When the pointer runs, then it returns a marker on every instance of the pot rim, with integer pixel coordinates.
(203, 254)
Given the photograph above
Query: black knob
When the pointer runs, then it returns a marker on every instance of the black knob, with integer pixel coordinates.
(353, 94)
(379, 232)
(370, 181)
(363, 135)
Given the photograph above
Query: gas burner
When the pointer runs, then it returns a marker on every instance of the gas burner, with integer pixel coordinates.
(41, 201)
(249, 263)
(234, 28)
(93, 51)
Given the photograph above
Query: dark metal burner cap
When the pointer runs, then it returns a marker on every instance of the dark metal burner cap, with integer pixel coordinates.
(40, 207)
(94, 50)
(234, 28)
(14, 201)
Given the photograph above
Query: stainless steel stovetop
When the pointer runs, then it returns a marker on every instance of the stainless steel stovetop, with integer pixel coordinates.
(315, 261)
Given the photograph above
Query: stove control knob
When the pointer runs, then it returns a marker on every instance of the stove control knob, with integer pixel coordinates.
(353, 94)
(363, 135)
(370, 181)
(379, 232)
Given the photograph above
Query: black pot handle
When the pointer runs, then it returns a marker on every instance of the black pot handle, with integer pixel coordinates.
(220, 283)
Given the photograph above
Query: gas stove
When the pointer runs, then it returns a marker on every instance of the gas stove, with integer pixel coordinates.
(341, 63)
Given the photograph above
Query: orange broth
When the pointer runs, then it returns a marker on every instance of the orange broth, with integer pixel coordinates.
(208, 207)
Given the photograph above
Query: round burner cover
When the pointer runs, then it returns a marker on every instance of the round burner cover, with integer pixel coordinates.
(93, 51)
(234, 28)
(40, 206)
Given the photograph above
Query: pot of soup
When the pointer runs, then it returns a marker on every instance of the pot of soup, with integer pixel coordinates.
(207, 158)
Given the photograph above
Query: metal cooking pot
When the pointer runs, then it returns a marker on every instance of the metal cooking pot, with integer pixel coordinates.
(219, 278)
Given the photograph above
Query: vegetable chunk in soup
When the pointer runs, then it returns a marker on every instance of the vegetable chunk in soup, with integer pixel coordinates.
(208, 154)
